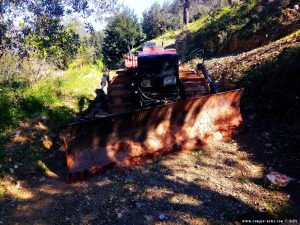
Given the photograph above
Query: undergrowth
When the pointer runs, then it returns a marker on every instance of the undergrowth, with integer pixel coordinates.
(56, 96)
(243, 26)
(31, 116)
(274, 87)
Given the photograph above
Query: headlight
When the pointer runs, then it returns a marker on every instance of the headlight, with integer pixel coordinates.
(170, 80)
(146, 83)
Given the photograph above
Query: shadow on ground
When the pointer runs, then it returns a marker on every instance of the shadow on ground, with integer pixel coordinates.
(220, 183)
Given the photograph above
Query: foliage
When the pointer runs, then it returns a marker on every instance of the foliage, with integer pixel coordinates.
(29, 47)
(41, 16)
(122, 33)
(96, 41)
(90, 49)
(242, 26)
(53, 100)
(9, 71)
(59, 46)
(157, 20)
(41, 34)
(54, 96)
(169, 17)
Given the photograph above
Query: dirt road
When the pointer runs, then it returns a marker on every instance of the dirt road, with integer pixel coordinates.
(219, 183)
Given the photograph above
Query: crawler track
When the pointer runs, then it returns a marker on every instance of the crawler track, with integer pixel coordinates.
(194, 86)
(119, 94)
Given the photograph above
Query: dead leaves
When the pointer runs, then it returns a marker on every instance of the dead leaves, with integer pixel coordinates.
(47, 142)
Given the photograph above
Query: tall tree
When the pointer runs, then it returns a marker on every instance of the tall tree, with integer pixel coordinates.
(122, 33)
(186, 11)
(96, 41)
(157, 19)
(42, 15)
(152, 20)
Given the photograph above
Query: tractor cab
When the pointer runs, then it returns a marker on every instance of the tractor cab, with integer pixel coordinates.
(158, 76)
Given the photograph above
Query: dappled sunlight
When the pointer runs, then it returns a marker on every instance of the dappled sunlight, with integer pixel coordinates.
(51, 190)
(46, 170)
(185, 199)
(131, 138)
(41, 126)
(218, 168)
(25, 145)
(143, 158)
(20, 139)
(208, 184)
(56, 187)
(47, 142)
(16, 190)
(172, 196)
(104, 183)
(197, 184)
(158, 192)
(29, 130)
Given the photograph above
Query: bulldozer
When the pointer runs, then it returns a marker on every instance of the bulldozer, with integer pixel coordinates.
(153, 106)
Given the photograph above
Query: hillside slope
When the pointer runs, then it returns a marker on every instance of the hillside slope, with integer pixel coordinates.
(242, 27)
(269, 75)
(233, 67)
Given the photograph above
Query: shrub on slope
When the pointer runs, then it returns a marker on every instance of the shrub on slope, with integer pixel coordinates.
(241, 27)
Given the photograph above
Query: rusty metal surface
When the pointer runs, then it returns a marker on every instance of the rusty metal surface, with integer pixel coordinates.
(119, 92)
(131, 61)
(194, 85)
(130, 138)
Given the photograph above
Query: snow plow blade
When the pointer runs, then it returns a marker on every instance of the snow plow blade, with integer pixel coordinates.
(130, 138)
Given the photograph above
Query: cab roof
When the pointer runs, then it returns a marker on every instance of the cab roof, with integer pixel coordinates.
(157, 51)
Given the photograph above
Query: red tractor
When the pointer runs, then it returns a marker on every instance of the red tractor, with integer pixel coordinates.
(154, 76)
(154, 106)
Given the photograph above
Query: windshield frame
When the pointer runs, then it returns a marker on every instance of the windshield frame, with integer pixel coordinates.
(156, 65)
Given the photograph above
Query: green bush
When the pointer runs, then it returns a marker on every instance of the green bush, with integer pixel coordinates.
(9, 110)
(59, 48)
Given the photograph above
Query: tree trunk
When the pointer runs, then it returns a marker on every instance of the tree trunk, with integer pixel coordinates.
(186, 12)
(39, 74)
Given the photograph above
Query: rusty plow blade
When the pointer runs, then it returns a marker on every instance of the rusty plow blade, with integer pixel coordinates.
(130, 138)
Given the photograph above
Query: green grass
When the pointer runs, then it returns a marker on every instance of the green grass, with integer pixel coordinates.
(292, 35)
(54, 101)
(56, 96)
(136, 49)
(2, 192)
(168, 36)
(219, 16)
(197, 25)
(198, 152)
(244, 180)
